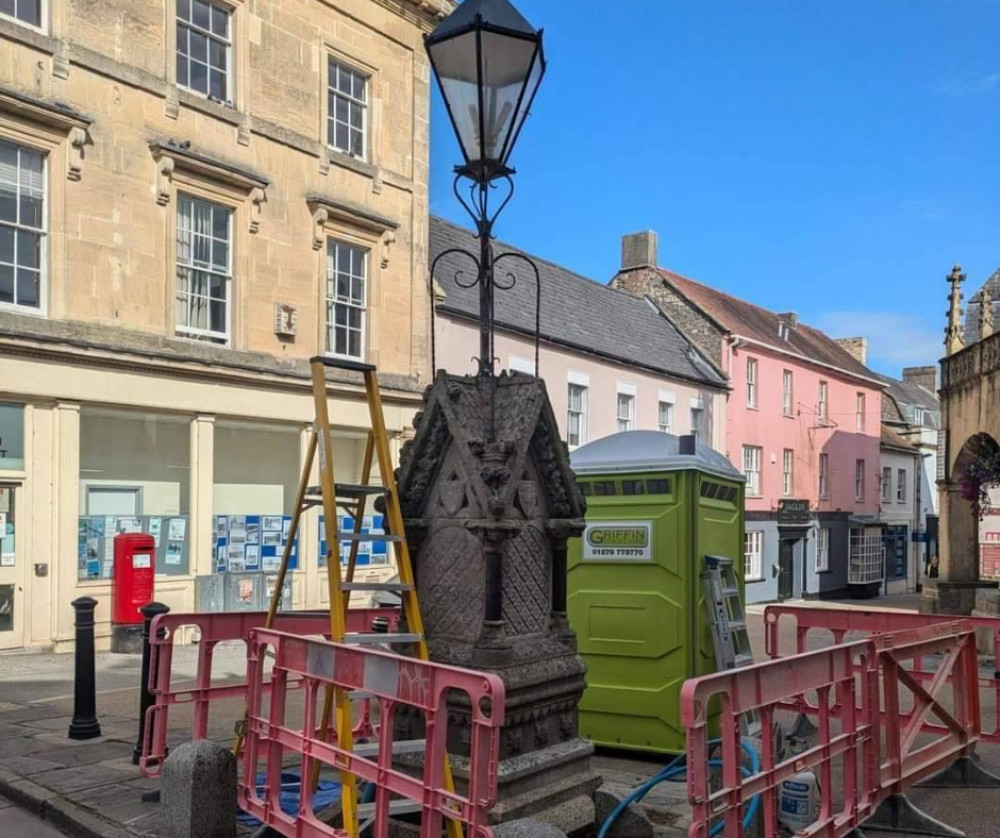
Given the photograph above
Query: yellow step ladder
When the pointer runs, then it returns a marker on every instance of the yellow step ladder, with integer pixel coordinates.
(352, 498)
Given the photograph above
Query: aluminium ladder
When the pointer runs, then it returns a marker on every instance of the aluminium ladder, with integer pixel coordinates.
(352, 499)
(728, 622)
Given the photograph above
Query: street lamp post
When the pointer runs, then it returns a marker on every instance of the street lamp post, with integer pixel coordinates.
(488, 62)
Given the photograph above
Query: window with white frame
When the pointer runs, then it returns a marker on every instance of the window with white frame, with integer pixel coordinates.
(666, 416)
(886, 483)
(626, 411)
(25, 11)
(787, 403)
(822, 549)
(859, 479)
(576, 415)
(753, 549)
(346, 299)
(751, 382)
(822, 409)
(347, 109)
(859, 413)
(788, 472)
(866, 556)
(901, 485)
(22, 225)
(204, 269)
(518, 363)
(752, 456)
(204, 48)
(697, 423)
(824, 475)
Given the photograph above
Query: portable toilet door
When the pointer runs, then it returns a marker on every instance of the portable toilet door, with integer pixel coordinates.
(634, 596)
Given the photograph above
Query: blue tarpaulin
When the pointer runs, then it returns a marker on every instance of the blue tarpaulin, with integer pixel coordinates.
(327, 792)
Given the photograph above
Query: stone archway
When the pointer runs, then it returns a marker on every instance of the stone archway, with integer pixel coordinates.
(960, 536)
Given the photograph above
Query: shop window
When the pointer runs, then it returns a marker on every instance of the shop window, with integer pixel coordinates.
(11, 436)
(134, 477)
(254, 496)
(867, 558)
(753, 551)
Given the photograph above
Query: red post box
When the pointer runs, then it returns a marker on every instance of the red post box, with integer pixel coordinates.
(132, 578)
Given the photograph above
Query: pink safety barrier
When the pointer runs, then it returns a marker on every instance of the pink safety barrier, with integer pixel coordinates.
(863, 687)
(395, 682)
(214, 629)
(813, 625)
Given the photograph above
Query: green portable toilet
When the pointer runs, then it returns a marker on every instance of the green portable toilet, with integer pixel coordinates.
(657, 504)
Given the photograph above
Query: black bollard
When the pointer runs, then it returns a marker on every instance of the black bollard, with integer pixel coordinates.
(84, 724)
(150, 610)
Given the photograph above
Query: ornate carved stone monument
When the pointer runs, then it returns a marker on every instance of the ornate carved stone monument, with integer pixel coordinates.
(489, 501)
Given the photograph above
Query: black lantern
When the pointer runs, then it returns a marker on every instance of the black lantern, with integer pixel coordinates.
(488, 62)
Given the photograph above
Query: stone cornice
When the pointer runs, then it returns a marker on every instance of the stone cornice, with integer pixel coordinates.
(82, 345)
(54, 114)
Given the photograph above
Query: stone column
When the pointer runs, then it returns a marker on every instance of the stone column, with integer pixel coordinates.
(66, 513)
(201, 559)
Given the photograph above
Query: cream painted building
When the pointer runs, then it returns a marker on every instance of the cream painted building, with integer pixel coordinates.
(195, 198)
(610, 361)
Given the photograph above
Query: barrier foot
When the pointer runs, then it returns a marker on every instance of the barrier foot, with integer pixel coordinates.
(963, 773)
(151, 796)
(803, 728)
(897, 814)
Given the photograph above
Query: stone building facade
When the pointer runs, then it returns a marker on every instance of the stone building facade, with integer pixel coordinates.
(195, 198)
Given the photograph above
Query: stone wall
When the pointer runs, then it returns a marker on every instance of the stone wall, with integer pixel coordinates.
(101, 92)
(692, 322)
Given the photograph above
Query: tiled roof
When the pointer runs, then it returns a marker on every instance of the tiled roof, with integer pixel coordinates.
(751, 321)
(891, 439)
(576, 312)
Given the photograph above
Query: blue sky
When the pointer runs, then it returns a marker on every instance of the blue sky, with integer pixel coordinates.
(831, 158)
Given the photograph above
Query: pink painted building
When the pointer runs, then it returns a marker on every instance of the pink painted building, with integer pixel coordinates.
(803, 423)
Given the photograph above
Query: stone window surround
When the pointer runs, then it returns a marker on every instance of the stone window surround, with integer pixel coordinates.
(239, 36)
(370, 164)
(54, 45)
(62, 135)
(243, 193)
(42, 28)
(360, 228)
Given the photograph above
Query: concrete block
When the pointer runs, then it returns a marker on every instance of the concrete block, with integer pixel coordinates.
(631, 823)
(527, 828)
(984, 636)
(199, 792)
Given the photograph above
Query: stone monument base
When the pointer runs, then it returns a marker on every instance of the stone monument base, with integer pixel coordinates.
(946, 597)
(554, 784)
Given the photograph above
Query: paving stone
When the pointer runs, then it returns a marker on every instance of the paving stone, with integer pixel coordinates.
(15, 747)
(30, 765)
(121, 802)
(9, 730)
(33, 712)
(4, 803)
(65, 780)
(54, 723)
(98, 751)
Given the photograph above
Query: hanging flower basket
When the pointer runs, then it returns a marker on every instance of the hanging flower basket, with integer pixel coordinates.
(977, 476)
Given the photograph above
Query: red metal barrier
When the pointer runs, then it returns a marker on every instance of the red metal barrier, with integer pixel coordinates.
(840, 621)
(864, 686)
(394, 681)
(214, 629)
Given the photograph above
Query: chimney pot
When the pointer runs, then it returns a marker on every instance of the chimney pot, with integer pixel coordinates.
(639, 250)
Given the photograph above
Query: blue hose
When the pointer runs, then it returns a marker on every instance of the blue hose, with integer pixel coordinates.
(676, 768)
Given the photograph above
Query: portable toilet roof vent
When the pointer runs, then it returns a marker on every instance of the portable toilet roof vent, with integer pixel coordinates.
(642, 451)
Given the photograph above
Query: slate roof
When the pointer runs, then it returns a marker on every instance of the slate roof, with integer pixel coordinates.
(751, 321)
(903, 397)
(576, 312)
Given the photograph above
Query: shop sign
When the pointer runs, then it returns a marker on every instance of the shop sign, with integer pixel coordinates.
(793, 511)
(618, 541)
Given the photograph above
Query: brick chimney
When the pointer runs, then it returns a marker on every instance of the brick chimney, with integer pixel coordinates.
(925, 377)
(857, 347)
(639, 250)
